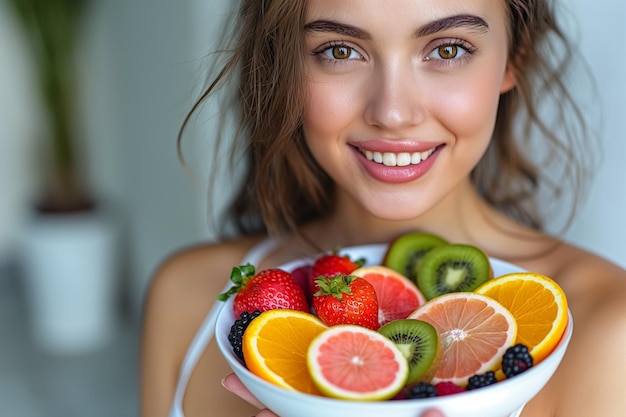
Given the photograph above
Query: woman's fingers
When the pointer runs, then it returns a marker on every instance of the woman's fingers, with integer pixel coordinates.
(432, 413)
(233, 384)
(266, 413)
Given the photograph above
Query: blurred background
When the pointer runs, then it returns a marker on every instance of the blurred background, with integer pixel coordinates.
(140, 66)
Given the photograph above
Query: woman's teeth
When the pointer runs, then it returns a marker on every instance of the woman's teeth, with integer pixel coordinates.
(400, 159)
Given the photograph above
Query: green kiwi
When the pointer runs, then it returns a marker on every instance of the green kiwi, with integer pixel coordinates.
(420, 344)
(452, 268)
(405, 252)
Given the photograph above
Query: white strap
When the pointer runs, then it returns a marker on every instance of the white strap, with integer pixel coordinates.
(518, 413)
(207, 329)
(260, 251)
(196, 348)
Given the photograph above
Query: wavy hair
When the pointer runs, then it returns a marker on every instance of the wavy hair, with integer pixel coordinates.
(282, 187)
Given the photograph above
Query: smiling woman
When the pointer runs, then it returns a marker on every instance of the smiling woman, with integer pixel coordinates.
(362, 120)
(430, 87)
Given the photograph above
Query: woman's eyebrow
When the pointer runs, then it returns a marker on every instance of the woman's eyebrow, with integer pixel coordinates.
(439, 25)
(336, 27)
(451, 22)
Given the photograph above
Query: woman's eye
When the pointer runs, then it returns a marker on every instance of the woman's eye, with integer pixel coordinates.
(449, 51)
(340, 52)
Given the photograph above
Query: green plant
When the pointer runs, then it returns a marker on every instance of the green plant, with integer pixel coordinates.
(52, 29)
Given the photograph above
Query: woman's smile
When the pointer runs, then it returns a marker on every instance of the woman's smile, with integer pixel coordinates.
(398, 74)
(392, 159)
(398, 162)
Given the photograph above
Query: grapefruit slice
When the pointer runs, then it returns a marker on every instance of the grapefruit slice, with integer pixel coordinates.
(355, 363)
(475, 331)
(397, 295)
(538, 305)
(275, 348)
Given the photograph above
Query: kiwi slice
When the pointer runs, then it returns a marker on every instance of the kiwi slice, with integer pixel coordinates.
(452, 268)
(405, 252)
(420, 344)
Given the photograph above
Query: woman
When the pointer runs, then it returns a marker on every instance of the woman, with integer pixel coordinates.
(363, 119)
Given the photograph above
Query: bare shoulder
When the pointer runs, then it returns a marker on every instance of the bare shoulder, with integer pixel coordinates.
(591, 281)
(196, 269)
(589, 380)
(180, 294)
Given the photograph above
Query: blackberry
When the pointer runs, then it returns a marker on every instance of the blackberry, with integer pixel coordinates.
(516, 360)
(236, 331)
(422, 390)
(481, 380)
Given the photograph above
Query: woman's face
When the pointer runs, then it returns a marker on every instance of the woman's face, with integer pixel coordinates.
(402, 96)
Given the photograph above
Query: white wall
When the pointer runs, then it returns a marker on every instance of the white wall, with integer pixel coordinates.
(154, 73)
(601, 226)
(142, 63)
(137, 75)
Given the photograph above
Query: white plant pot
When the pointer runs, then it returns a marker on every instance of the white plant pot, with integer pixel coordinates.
(69, 263)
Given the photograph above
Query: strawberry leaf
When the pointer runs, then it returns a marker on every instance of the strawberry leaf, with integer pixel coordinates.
(240, 275)
(335, 286)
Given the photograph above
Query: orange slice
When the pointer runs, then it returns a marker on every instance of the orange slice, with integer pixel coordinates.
(275, 347)
(538, 305)
(475, 331)
(355, 363)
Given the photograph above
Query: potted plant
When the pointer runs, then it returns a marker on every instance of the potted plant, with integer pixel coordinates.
(52, 29)
(68, 249)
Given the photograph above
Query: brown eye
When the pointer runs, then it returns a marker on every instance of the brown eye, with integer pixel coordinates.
(448, 51)
(341, 52)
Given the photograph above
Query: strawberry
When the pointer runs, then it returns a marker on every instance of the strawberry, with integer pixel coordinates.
(346, 299)
(330, 265)
(301, 274)
(267, 290)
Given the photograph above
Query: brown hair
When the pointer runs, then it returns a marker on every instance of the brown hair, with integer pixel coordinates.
(541, 144)
(283, 187)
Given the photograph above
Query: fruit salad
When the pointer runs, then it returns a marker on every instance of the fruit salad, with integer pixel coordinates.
(430, 320)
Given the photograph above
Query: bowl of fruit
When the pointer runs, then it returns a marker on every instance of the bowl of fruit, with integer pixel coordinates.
(394, 329)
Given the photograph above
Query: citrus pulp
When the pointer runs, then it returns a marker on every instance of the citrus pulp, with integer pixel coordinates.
(355, 363)
(475, 331)
(275, 347)
(538, 305)
(397, 295)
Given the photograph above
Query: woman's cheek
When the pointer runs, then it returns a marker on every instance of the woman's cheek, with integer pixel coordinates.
(467, 109)
(331, 106)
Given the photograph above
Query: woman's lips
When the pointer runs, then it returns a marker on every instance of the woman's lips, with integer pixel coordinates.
(401, 159)
(397, 167)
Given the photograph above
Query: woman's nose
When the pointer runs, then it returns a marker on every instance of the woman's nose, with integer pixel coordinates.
(394, 100)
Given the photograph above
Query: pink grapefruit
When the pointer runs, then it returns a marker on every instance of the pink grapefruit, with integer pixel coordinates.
(397, 295)
(355, 363)
(475, 331)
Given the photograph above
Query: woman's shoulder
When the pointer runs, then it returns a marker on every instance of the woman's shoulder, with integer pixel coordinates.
(589, 277)
(179, 296)
(596, 293)
(197, 271)
(181, 292)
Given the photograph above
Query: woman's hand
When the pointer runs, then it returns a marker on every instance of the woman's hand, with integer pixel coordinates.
(234, 385)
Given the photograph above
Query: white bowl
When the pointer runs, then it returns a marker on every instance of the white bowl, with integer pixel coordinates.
(497, 400)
